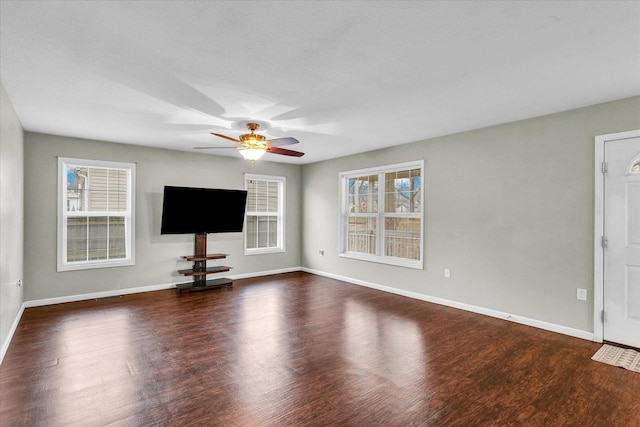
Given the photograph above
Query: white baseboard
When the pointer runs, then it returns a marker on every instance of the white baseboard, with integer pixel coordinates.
(577, 333)
(14, 326)
(96, 295)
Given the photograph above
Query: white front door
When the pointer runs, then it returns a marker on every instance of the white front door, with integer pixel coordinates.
(622, 245)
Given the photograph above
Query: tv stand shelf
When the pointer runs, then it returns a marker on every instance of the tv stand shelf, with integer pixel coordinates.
(208, 284)
(204, 258)
(199, 271)
(208, 270)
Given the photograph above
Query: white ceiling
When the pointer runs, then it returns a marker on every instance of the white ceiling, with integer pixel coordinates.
(341, 76)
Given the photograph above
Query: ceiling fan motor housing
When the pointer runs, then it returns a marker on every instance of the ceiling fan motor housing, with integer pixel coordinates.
(252, 139)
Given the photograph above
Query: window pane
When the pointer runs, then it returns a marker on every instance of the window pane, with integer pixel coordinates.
(96, 189)
(117, 198)
(361, 234)
(75, 189)
(97, 237)
(403, 191)
(262, 196)
(77, 239)
(354, 187)
(402, 237)
(263, 232)
(272, 196)
(363, 194)
(251, 229)
(273, 232)
(117, 238)
(251, 195)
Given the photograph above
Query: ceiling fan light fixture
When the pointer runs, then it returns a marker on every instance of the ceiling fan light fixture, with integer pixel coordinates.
(252, 154)
(253, 146)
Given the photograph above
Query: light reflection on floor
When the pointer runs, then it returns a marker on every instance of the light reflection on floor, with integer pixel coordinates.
(386, 346)
(86, 373)
(261, 369)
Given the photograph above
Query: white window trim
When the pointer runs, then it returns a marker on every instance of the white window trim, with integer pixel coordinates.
(62, 264)
(343, 194)
(282, 182)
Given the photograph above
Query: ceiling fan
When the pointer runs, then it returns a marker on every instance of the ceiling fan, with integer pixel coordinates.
(253, 146)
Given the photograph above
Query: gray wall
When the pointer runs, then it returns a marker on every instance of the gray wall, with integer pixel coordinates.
(11, 217)
(157, 257)
(509, 209)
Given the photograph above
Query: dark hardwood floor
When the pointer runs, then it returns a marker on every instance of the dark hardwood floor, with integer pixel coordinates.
(296, 350)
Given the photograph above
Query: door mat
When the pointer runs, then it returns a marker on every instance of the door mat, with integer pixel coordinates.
(621, 357)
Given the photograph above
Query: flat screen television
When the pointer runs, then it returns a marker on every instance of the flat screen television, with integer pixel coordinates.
(189, 210)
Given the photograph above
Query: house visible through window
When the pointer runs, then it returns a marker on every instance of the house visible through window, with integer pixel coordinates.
(382, 214)
(264, 227)
(95, 218)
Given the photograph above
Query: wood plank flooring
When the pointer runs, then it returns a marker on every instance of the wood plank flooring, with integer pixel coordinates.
(300, 350)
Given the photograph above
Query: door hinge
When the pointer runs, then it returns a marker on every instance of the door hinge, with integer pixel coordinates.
(604, 167)
(602, 316)
(604, 242)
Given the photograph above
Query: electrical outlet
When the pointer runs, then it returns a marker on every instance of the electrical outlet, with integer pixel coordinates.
(19, 283)
(581, 294)
(447, 273)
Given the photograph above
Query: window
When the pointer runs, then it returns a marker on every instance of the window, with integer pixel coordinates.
(95, 214)
(264, 228)
(382, 214)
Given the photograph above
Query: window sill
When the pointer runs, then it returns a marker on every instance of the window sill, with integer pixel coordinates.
(263, 251)
(94, 265)
(398, 262)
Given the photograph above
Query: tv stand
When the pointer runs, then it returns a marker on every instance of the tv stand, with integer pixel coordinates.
(199, 271)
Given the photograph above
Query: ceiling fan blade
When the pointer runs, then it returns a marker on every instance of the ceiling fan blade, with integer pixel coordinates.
(279, 142)
(284, 152)
(226, 137)
(210, 148)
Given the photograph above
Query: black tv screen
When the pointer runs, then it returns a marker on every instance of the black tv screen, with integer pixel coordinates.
(188, 210)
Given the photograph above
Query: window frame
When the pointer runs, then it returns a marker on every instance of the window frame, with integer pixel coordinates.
(280, 215)
(380, 215)
(129, 215)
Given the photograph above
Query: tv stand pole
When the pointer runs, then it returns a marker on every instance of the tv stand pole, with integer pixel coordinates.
(199, 271)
